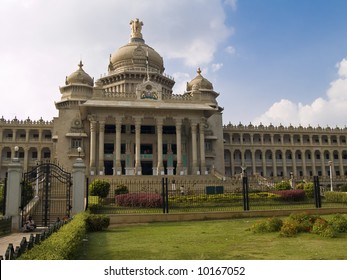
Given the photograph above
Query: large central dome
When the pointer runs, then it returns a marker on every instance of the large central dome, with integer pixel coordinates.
(136, 54)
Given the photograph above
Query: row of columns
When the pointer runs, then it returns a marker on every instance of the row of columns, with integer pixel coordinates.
(322, 163)
(291, 138)
(196, 169)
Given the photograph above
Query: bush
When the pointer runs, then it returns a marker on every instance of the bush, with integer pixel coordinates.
(308, 187)
(100, 188)
(27, 193)
(289, 228)
(284, 185)
(339, 223)
(323, 228)
(304, 221)
(96, 222)
(337, 197)
(268, 225)
(343, 188)
(291, 195)
(121, 189)
(151, 200)
(61, 245)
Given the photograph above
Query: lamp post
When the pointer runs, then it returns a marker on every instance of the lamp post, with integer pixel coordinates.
(331, 174)
(79, 150)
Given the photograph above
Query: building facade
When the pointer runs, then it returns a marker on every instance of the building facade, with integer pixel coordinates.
(129, 122)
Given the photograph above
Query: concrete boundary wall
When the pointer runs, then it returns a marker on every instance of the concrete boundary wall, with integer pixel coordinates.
(179, 217)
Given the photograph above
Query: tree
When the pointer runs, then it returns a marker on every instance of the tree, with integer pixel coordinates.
(99, 188)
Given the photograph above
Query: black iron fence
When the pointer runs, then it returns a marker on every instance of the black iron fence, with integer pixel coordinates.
(173, 194)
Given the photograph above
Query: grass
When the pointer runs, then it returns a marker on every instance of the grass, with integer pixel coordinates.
(208, 240)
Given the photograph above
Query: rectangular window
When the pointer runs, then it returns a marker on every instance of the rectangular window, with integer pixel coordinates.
(76, 142)
(34, 154)
(110, 128)
(108, 148)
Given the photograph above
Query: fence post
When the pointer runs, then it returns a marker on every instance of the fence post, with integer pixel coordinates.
(167, 195)
(245, 193)
(78, 186)
(14, 193)
(317, 198)
(163, 194)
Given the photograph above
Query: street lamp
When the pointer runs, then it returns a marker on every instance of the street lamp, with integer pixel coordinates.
(331, 175)
(79, 150)
(16, 149)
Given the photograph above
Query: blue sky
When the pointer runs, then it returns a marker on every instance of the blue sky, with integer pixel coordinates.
(272, 61)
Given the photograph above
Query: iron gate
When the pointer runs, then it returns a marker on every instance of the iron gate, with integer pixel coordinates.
(46, 194)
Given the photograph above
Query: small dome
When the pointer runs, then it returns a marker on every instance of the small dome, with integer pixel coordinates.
(79, 77)
(199, 82)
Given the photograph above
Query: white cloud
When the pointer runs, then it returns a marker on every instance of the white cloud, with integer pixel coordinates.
(231, 3)
(216, 66)
(230, 50)
(330, 110)
(181, 80)
(42, 47)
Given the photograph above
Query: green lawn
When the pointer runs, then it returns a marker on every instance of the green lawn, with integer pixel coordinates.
(208, 240)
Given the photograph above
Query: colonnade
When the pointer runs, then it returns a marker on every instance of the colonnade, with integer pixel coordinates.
(195, 163)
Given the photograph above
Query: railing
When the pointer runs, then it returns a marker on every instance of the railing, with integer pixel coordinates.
(13, 253)
(193, 194)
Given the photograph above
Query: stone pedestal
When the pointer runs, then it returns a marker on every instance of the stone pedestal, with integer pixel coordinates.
(78, 187)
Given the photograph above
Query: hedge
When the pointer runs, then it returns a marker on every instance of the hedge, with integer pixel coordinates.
(338, 197)
(65, 243)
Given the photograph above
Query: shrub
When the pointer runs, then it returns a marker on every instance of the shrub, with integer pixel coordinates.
(323, 228)
(304, 221)
(150, 200)
(61, 245)
(268, 225)
(27, 193)
(308, 187)
(96, 222)
(289, 228)
(100, 188)
(291, 195)
(337, 197)
(284, 185)
(309, 190)
(339, 223)
(343, 188)
(121, 189)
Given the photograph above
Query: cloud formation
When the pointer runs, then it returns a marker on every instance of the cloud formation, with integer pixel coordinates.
(38, 51)
(330, 110)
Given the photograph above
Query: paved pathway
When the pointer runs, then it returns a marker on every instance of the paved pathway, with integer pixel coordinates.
(14, 238)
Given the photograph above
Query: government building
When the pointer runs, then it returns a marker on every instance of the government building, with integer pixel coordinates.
(129, 123)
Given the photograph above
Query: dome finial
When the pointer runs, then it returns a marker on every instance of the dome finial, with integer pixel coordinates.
(198, 71)
(136, 28)
(81, 64)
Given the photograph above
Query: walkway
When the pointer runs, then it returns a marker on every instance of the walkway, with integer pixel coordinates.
(14, 238)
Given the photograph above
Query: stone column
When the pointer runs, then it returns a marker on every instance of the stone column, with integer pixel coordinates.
(78, 187)
(179, 145)
(118, 168)
(202, 148)
(138, 146)
(295, 172)
(92, 146)
(160, 167)
(195, 167)
(14, 193)
(101, 147)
